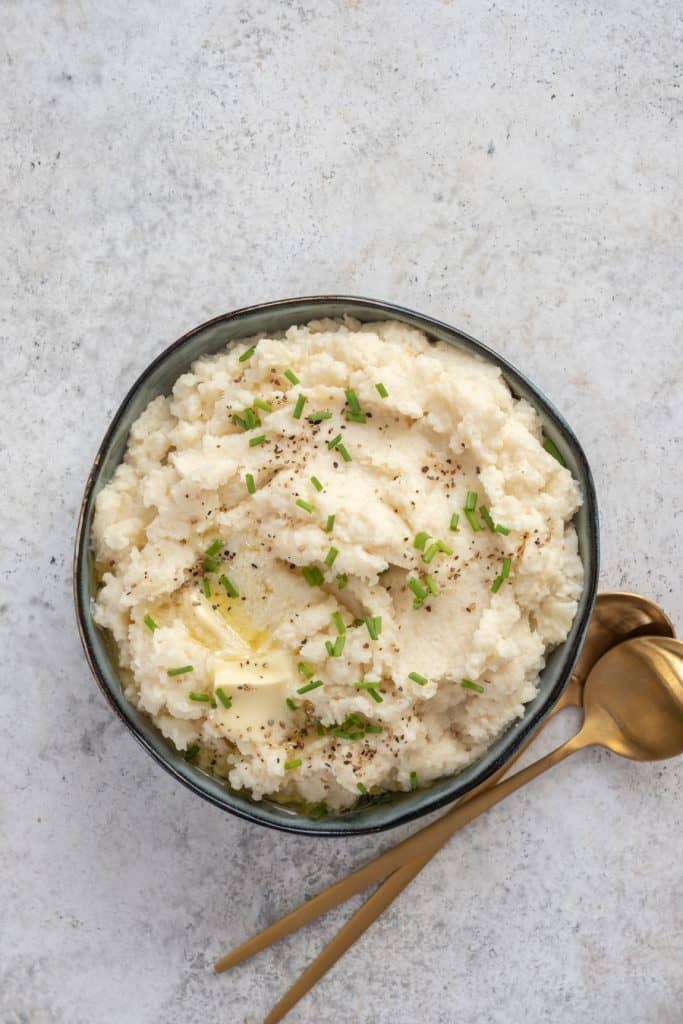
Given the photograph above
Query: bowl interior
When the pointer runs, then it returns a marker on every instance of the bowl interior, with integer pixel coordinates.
(159, 379)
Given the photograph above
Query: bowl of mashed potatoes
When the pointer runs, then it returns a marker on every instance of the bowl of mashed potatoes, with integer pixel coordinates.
(335, 562)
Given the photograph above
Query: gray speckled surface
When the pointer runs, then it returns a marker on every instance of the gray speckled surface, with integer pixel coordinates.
(509, 168)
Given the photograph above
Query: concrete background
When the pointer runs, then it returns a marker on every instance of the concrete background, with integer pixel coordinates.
(513, 168)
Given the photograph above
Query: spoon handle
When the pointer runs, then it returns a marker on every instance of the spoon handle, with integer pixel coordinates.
(419, 848)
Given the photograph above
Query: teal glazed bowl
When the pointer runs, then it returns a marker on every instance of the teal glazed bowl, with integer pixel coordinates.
(386, 811)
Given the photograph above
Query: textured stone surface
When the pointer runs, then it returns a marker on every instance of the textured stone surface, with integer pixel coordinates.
(511, 168)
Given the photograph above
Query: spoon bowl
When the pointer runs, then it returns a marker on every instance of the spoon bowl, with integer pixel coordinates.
(633, 700)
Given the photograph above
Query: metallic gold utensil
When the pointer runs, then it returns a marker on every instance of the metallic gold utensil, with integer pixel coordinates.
(616, 617)
(633, 702)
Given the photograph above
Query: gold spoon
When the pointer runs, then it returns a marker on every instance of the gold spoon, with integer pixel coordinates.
(616, 617)
(633, 703)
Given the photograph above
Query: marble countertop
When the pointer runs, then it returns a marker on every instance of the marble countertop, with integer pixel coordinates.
(509, 168)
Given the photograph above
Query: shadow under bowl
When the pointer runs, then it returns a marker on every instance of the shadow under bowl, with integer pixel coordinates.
(394, 809)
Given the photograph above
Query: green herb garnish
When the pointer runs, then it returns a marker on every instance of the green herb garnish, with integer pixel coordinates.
(362, 789)
(413, 780)
(382, 391)
(472, 520)
(191, 753)
(343, 452)
(318, 417)
(335, 649)
(248, 354)
(313, 575)
(342, 580)
(467, 684)
(507, 565)
(371, 689)
(317, 811)
(352, 399)
(334, 442)
(417, 678)
(471, 501)
(251, 486)
(180, 671)
(228, 586)
(356, 417)
(299, 407)
(261, 404)
(432, 550)
(224, 698)
(201, 698)
(254, 441)
(339, 623)
(206, 586)
(150, 623)
(305, 670)
(291, 377)
(330, 557)
(553, 450)
(430, 583)
(455, 519)
(290, 704)
(313, 685)
(417, 589)
(502, 529)
(214, 548)
(305, 505)
(294, 763)
(420, 540)
(486, 516)
(329, 526)
(316, 483)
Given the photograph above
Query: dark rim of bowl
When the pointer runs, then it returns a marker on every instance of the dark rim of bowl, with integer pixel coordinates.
(301, 825)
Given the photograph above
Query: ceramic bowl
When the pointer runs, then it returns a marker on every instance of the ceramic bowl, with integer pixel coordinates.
(159, 378)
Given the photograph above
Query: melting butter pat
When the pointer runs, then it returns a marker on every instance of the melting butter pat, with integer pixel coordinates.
(258, 686)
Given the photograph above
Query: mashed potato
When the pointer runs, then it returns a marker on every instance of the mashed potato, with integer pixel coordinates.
(333, 561)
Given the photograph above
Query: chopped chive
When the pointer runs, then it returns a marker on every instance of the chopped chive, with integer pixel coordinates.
(553, 450)
(305, 505)
(313, 575)
(248, 354)
(362, 789)
(455, 519)
(313, 685)
(150, 623)
(420, 540)
(502, 529)
(211, 564)
(356, 417)
(444, 548)
(318, 417)
(342, 580)
(251, 486)
(372, 628)
(352, 399)
(318, 811)
(320, 728)
(371, 689)
(305, 670)
(472, 520)
(381, 390)
(294, 763)
(291, 704)
(413, 780)
(329, 526)
(214, 548)
(431, 585)
(378, 624)
(316, 483)
(291, 377)
(251, 419)
(229, 586)
(329, 647)
(339, 646)
(191, 752)
(224, 698)
(330, 557)
(486, 516)
(417, 589)
(467, 684)
(201, 698)
(206, 586)
(374, 730)
(417, 678)
(430, 552)
(261, 404)
(507, 565)
(180, 671)
(343, 452)
(334, 442)
(240, 422)
(471, 501)
(213, 704)
(339, 623)
(299, 407)
(497, 584)
(254, 441)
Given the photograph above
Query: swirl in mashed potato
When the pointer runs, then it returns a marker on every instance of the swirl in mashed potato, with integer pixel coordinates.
(334, 565)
